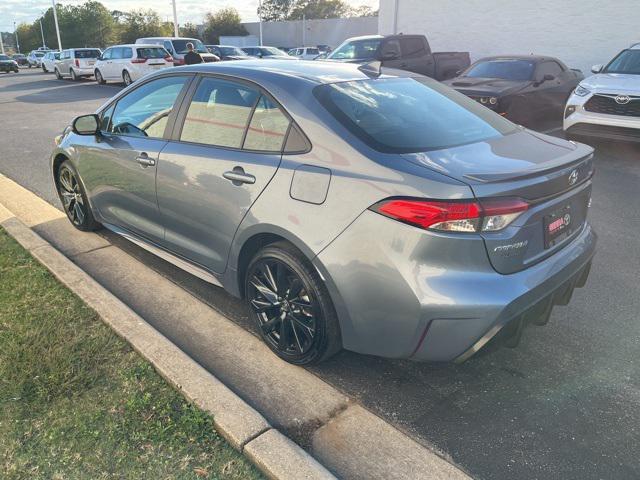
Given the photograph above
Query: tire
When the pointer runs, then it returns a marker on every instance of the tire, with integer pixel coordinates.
(291, 306)
(74, 199)
(74, 77)
(44, 69)
(57, 72)
(126, 77)
(99, 78)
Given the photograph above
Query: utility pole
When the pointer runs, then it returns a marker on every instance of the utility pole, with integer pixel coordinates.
(260, 18)
(1, 43)
(395, 16)
(15, 32)
(176, 32)
(55, 19)
(304, 30)
(42, 33)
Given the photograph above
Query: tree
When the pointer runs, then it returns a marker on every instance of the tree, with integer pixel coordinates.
(225, 21)
(190, 30)
(363, 11)
(143, 23)
(275, 10)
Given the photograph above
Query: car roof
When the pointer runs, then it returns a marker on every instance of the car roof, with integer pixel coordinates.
(364, 37)
(306, 71)
(533, 58)
(166, 38)
(136, 45)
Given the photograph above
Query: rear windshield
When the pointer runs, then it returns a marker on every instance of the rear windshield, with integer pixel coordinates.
(4, 57)
(180, 46)
(504, 69)
(404, 115)
(272, 52)
(39, 54)
(228, 51)
(627, 61)
(361, 49)
(152, 52)
(87, 53)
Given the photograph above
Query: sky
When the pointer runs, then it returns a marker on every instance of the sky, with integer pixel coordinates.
(188, 10)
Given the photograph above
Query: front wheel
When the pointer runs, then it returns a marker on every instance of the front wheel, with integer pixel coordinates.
(99, 79)
(57, 72)
(74, 199)
(291, 305)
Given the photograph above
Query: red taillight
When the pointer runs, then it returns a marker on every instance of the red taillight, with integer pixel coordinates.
(168, 58)
(454, 216)
(77, 63)
(138, 60)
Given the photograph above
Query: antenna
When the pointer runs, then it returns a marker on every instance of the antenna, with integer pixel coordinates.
(371, 69)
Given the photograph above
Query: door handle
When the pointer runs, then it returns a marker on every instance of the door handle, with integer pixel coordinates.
(237, 176)
(144, 160)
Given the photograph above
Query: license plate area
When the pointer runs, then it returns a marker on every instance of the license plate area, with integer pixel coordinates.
(559, 225)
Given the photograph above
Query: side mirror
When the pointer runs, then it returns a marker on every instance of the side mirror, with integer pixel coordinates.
(596, 68)
(390, 55)
(86, 125)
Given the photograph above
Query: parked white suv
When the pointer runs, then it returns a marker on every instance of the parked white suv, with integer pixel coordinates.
(177, 47)
(49, 61)
(607, 104)
(305, 53)
(128, 63)
(77, 63)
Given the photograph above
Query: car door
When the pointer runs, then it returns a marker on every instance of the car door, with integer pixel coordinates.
(119, 170)
(550, 93)
(115, 64)
(225, 149)
(104, 63)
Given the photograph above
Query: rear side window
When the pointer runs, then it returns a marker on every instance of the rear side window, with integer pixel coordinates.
(151, 52)
(87, 53)
(403, 115)
(268, 127)
(145, 111)
(127, 52)
(219, 113)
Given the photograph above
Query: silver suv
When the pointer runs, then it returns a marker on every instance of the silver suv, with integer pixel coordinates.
(76, 63)
(380, 212)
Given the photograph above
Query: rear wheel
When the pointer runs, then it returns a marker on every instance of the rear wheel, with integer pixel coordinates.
(291, 305)
(99, 79)
(126, 78)
(44, 69)
(73, 74)
(74, 198)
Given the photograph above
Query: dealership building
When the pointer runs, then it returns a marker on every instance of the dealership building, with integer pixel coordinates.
(582, 33)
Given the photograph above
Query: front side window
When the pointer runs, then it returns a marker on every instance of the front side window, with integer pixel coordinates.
(268, 127)
(145, 111)
(548, 68)
(519, 70)
(218, 113)
(116, 53)
(627, 61)
(403, 115)
(107, 54)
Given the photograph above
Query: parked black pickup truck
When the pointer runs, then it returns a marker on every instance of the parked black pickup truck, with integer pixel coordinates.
(406, 52)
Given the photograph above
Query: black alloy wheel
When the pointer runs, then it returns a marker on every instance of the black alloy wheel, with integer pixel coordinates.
(74, 199)
(291, 306)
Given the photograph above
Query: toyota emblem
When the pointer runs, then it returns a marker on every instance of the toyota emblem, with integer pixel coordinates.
(573, 177)
(623, 99)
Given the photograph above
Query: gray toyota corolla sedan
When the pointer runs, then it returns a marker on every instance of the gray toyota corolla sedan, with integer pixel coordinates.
(381, 212)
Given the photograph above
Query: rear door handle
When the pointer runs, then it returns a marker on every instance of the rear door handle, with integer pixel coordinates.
(238, 176)
(144, 160)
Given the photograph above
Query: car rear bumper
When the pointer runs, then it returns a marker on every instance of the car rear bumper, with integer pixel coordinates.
(84, 72)
(402, 292)
(8, 68)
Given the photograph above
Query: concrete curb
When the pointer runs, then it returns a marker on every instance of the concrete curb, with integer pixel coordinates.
(246, 429)
(348, 440)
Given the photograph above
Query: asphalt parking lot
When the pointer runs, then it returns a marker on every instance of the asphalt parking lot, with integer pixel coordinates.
(565, 404)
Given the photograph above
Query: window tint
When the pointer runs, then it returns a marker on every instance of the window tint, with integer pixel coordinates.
(362, 49)
(504, 69)
(548, 68)
(268, 127)
(87, 53)
(412, 46)
(145, 111)
(313, 51)
(116, 53)
(627, 61)
(127, 52)
(218, 113)
(107, 54)
(152, 52)
(401, 115)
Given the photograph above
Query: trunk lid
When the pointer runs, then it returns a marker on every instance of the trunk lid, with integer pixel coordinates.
(553, 175)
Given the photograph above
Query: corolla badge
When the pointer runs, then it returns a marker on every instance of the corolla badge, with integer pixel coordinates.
(623, 99)
(573, 178)
(511, 249)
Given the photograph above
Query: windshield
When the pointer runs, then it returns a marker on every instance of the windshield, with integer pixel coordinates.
(228, 51)
(360, 49)
(39, 54)
(152, 52)
(4, 57)
(180, 46)
(627, 61)
(403, 115)
(87, 53)
(271, 52)
(504, 69)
